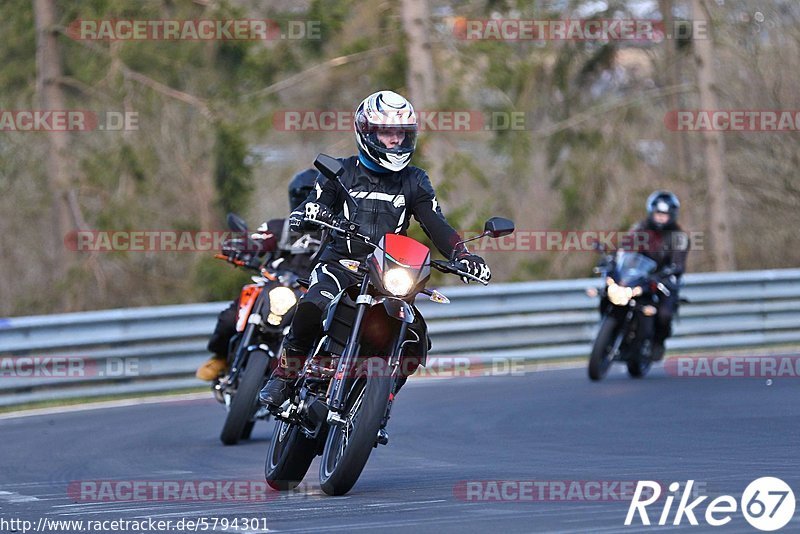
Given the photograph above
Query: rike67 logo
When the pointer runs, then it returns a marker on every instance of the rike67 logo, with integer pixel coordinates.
(767, 503)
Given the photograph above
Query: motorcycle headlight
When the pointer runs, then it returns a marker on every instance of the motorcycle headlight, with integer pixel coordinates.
(398, 282)
(619, 295)
(281, 300)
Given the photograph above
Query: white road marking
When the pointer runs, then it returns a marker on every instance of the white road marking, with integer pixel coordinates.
(124, 403)
(14, 497)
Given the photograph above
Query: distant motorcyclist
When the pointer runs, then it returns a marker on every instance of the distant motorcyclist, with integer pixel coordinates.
(666, 243)
(291, 251)
(383, 193)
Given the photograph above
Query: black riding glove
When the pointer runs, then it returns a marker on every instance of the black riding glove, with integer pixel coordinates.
(299, 221)
(474, 265)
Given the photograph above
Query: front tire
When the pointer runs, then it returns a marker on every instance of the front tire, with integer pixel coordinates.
(600, 359)
(348, 446)
(289, 457)
(245, 401)
(639, 366)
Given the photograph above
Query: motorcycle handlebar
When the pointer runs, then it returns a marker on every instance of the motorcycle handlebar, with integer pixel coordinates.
(229, 259)
(343, 226)
(266, 273)
(350, 229)
(450, 268)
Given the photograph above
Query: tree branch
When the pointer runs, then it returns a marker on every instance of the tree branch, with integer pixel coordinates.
(142, 79)
(605, 108)
(334, 62)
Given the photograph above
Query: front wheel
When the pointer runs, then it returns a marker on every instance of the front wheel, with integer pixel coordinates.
(638, 366)
(245, 401)
(601, 357)
(349, 445)
(289, 457)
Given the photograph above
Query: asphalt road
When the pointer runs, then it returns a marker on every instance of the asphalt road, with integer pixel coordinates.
(448, 438)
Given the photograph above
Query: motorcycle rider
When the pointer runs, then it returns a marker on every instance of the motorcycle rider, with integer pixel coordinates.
(293, 255)
(667, 244)
(384, 191)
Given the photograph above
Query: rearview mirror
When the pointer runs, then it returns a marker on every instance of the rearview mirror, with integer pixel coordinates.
(236, 223)
(330, 167)
(498, 227)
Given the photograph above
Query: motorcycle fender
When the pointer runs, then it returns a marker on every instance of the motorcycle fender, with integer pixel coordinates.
(398, 309)
(247, 299)
(261, 348)
(421, 328)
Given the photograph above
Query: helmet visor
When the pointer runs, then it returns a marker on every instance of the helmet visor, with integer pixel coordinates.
(399, 139)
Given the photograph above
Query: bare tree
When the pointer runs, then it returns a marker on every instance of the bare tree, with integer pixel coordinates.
(50, 96)
(673, 78)
(421, 76)
(713, 148)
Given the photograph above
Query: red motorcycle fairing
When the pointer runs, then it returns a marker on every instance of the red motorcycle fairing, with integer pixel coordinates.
(247, 299)
(399, 251)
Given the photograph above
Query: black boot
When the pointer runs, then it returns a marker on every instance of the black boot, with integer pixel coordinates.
(276, 392)
(279, 386)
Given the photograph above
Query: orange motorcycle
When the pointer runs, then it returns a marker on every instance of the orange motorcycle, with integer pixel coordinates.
(266, 308)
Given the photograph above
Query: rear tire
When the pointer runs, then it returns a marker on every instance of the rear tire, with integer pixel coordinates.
(600, 359)
(341, 465)
(248, 430)
(245, 401)
(289, 457)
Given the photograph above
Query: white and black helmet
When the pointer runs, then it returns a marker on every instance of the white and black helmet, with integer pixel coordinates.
(381, 111)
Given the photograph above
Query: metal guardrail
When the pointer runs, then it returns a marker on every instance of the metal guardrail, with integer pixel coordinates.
(155, 349)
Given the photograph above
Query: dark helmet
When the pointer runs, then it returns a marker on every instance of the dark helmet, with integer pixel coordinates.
(663, 202)
(300, 186)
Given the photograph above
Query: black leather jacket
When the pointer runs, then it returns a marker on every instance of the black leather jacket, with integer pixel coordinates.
(668, 247)
(380, 203)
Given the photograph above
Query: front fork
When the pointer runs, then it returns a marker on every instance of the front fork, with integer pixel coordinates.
(622, 329)
(394, 365)
(337, 389)
(345, 371)
(246, 341)
(643, 329)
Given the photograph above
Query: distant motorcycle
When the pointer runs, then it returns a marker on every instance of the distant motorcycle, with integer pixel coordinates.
(266, 308)
(629, 301)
